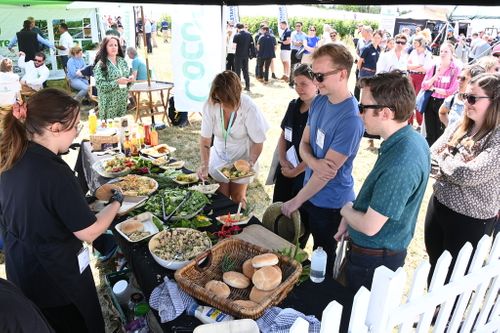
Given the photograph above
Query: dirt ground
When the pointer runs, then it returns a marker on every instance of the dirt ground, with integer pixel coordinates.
(273, 100)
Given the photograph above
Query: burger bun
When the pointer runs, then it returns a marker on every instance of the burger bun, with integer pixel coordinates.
(258, 296)
(242, 166)
(130, 227)
(219, 288)
(248, 269)
(236, 280)
(267, 278)
(266, 259)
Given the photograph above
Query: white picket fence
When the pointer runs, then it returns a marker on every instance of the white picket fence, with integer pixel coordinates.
(468, 303)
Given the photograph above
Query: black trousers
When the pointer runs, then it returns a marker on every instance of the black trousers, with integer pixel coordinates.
(293, 62)
(448, 230)
(357, 91)
(230, 62)
(148, 43)
(65, 318)
(433, 126)
(263, 64)
(241, 64)
(324, 223)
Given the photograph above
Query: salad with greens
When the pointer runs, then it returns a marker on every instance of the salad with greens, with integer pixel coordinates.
(172, 198)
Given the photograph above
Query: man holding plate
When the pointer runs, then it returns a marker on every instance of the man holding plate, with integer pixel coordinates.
(239, 130)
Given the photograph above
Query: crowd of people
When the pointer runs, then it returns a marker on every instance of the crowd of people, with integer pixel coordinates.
(322, 129)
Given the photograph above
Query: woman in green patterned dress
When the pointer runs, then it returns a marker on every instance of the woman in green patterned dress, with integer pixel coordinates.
(112, 77)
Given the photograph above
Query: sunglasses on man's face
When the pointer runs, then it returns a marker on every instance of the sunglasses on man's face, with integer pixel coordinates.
(363, 107)
(320, 77)
(400, 42)
(38, 60)
(312, 29)
(471, 99)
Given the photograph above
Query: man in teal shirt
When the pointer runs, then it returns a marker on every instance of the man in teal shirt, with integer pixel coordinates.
(382, 219)
(139, 70)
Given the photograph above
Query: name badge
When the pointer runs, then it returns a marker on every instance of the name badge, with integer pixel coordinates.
(445, 79)
(320, 138)
(83, 258)
(288, 134)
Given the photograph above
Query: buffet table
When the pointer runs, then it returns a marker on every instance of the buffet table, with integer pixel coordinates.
(309, 298)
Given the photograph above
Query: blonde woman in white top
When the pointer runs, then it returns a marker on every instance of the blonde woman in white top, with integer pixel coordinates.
(239, 130)
(10, 86)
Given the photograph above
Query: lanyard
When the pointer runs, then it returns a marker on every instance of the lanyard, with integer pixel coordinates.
(225, 132)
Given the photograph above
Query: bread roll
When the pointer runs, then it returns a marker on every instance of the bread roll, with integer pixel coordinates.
(248, 269)
(104, 192)
(245, 303)
(266, 259)
(267, 278)
(236, 280)
(219, 288)
(242, 166)
(258, 296)
(130, 227)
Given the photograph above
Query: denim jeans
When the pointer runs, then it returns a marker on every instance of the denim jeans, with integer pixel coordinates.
(82, 86)
(361, 267)
(323, 224)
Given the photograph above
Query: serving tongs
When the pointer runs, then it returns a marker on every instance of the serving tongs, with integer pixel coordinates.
(166, 219)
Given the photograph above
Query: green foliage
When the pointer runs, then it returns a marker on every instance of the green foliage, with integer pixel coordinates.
(343, 27)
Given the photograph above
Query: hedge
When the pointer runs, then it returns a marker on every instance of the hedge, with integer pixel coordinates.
(343, 27)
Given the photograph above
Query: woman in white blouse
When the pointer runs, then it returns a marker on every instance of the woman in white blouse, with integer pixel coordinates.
(9, 84)
(239, 129)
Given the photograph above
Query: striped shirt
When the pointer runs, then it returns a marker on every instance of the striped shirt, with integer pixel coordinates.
(448, 80)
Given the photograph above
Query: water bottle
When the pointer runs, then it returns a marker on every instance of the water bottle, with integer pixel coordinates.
(207, 314)
(318, 265)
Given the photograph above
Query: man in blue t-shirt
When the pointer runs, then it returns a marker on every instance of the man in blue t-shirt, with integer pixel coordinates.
(139, 70)
(329, 144)
(381, 222)
(285, 54)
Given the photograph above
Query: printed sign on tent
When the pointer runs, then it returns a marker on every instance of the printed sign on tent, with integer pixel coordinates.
(196, 54)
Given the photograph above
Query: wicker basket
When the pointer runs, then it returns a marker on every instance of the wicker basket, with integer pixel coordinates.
(192, 278)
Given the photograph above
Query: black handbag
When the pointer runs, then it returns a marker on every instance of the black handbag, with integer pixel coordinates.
(252, 52)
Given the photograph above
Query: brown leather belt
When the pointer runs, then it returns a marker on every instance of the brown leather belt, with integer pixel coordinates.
(372, 252)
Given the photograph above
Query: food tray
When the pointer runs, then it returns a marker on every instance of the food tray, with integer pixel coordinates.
(153, 182)
(192, 278)
(149, 225)
(181, 182)
(219, 170)
(128, 205)
(241, 222)
(98, 167)
(153, 151)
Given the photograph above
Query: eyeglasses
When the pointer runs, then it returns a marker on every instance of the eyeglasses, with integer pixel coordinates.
(333, 35)
(312, 29)
(471, 99)
(497, 55)
(461, 78)
(320, 77)
(363, 107)
(400, 42)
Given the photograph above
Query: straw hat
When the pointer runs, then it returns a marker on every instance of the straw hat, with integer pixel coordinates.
(289, 229)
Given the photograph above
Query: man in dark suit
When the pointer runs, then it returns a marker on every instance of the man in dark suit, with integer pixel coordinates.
(243, 41)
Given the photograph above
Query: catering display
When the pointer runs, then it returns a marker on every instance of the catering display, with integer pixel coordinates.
(174, 248)
(273, 277)
(139, 227)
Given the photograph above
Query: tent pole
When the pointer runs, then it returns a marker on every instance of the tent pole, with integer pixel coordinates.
(147, 64)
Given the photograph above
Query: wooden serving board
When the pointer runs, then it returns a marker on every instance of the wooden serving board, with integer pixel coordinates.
(259, 235)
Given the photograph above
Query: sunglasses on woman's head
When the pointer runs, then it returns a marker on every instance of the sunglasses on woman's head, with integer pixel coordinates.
(320, 77)
(471, 99)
